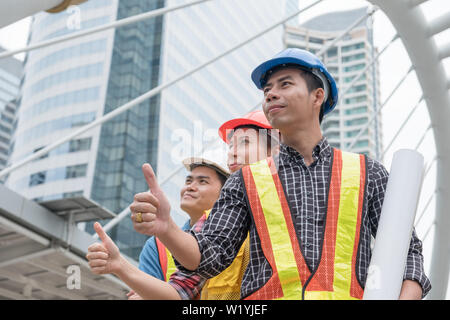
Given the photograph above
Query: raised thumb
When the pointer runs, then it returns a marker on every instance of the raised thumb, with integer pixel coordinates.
(150, 177)
(101, 233)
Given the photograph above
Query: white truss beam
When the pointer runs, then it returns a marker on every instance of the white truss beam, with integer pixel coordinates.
(411, 25)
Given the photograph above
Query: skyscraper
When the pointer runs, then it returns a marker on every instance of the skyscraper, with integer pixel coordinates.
(73, 83)
(11, 71)
(345, 60)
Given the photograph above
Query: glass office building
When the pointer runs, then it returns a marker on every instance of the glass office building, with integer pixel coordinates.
(11, 71)
(73, 83)
(345, 60)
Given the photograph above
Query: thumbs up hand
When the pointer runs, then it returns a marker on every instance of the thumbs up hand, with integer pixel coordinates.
(150, 211)
(103, 257)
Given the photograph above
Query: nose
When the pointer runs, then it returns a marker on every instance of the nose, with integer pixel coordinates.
(191, 186)
(271, 95)
(232, 154)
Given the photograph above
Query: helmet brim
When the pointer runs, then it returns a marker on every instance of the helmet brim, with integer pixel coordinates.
(234, 123)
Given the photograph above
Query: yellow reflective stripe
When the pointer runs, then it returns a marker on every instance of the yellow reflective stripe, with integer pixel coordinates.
(277, 229)
(171, 268)
(326, 295)
(346, 224)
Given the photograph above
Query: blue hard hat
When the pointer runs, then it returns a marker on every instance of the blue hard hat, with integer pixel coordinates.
(307, 61)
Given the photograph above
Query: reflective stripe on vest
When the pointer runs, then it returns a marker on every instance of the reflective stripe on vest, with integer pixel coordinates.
(165, 260)
(335, 276)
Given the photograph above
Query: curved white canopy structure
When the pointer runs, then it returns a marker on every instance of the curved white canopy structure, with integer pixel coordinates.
(426, 57)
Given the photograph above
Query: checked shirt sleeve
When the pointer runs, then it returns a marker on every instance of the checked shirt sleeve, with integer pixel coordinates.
(189, 285)
(224, 231)
(414, 264)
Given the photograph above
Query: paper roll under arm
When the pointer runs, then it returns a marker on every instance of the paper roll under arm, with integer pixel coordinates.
(387, 266)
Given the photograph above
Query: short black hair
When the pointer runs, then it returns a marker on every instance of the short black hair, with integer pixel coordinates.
(312, 81)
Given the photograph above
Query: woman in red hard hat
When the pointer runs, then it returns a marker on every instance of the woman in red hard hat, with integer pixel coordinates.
(250, 139)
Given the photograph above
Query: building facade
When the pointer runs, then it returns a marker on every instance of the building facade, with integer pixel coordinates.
(345, 61)
(11, 71)
(71, 84)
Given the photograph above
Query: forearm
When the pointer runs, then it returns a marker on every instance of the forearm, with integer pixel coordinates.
(411, 290)
(145, 285)
(182, 245)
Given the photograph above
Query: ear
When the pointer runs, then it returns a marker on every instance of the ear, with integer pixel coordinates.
(318, 96)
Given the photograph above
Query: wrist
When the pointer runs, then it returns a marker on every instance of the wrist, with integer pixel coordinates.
(120, 267)
(168, 231)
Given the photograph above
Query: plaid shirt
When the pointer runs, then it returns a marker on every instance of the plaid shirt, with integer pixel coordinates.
(306, 189)
(189, 285)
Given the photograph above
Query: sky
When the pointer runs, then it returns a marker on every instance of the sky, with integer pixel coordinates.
(393, 65)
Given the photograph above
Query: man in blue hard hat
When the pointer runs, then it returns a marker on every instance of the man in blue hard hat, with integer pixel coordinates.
(311, 210)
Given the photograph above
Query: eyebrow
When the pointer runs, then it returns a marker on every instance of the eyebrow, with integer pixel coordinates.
(288, 77)
(197, 177)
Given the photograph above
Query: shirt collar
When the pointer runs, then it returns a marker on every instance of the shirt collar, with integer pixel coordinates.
(320, 152)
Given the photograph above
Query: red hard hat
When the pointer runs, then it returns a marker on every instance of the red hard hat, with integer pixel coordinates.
(256, 118)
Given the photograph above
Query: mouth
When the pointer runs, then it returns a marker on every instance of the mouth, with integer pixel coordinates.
(274, 108)
(234, 166)
(188, 196)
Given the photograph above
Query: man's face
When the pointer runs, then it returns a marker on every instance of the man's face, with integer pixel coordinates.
(245, 147)
(201, 189)
(287, 101)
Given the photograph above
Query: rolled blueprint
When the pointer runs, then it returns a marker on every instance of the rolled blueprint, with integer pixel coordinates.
(387, 266)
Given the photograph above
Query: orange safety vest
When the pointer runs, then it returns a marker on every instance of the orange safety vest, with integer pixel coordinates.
(335, 276)
(165, 260)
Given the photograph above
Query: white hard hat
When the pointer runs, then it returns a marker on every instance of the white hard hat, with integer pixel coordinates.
(192, 162)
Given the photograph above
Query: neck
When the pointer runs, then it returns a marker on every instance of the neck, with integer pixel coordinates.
(195, 215)
(302, 141)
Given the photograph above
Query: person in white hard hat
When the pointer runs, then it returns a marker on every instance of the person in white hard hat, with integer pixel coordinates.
(198, 194)
(201, 189)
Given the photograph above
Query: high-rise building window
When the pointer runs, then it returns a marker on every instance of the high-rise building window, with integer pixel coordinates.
(356, 99)
(330, 124)
(80, 145)
(353, 47)
(356, 122)
(350, 79)
(354, 133)
(355, 67)
(4, 140)
(357, 110)
(76, 171)
(37, 178)
(358, 88)
(316, 40)
(332, 52)
(354, 57)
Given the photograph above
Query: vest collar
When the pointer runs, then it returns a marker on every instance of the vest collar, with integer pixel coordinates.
(321, 151)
